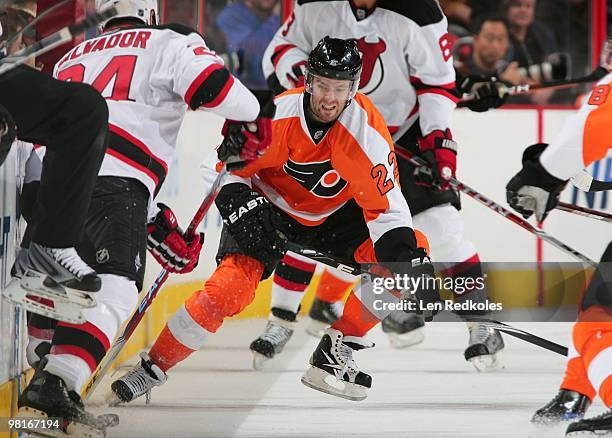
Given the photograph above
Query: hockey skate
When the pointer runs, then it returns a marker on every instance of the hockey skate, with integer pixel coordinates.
(566, 405)
(599, 426)
(404, 329)
(333, 369)
(54, 282)
(271, 342)
(485, 346)
(323, 314)
(141, 379)
(47, 398)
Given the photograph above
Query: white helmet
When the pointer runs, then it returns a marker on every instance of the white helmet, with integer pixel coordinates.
(144, 10)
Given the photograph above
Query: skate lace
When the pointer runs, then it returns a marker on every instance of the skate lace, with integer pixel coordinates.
(276, 334)
(480, 333)
(69, 259)
(346, 356)
(139, 382)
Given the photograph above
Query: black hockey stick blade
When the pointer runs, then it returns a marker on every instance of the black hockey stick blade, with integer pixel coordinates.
(521, 334)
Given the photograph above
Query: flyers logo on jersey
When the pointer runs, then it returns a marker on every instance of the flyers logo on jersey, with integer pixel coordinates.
(319, 178)
(373, 71)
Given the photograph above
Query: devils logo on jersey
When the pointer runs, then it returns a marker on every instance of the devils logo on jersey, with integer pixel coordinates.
(319, 178)
(373, 71)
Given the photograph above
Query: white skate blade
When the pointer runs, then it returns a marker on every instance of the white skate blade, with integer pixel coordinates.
(62, 310)
(260, 362)
(36, 283)
(316, 328)
(406, 340)
(487, 363)
(320, 380)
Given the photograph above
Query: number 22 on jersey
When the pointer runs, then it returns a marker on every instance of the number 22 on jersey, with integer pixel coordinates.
(120, 71)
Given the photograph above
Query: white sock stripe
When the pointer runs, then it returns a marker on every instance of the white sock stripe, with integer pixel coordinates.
(187, 331)
(286, 299)
(292, 255)
(600, 368)
(73, 370)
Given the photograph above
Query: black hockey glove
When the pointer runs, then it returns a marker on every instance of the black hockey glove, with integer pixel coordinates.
(418, 267)
(490, 92)
(8, 132)
(533, 189)
(244, 142)
(249, 218)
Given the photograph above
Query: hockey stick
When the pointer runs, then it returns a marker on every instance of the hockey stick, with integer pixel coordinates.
(58, 38)
(586, 212)
(594, 76)
(458, 185)
(333, 262)
(31, 24)
(520, 334)
(148, 298)
(585, 182)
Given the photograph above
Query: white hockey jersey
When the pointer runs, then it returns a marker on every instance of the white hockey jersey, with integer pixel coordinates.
(149, 77)
(407, 63)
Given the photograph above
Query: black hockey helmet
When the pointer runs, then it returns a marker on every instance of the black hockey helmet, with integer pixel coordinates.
(335, 58)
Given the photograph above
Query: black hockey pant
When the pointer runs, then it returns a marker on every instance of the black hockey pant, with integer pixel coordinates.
(71, 120)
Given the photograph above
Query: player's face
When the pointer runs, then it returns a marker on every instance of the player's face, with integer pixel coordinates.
(521, 12)
(491, 44)
(329, 98)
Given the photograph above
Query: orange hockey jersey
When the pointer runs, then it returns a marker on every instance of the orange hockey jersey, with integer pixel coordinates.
(355, 159)
(586, 136)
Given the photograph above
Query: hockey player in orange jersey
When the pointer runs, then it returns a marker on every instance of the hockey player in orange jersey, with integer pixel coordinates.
(586, 137)
(328, 181)
(408, 74)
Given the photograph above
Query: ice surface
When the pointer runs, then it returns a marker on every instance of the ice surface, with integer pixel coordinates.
(425, 391)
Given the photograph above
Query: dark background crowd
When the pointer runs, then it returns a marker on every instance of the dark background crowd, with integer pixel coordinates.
(518, 41)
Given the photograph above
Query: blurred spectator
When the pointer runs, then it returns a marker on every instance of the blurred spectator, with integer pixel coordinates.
(28, 6)
(249, 26)
(215, 39)
(531, 40)
(459, 15)
(489, 51)
(181, 11)
(12, 22)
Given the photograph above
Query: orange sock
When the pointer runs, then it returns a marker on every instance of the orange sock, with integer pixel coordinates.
(576, 378)
(356, 319)
(167, 351)
(597, 354)
(332, 288)
(229, 290)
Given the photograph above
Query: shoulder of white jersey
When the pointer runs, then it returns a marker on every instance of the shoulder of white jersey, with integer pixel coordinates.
(287, 103)
(368, 106)
(422, 12)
